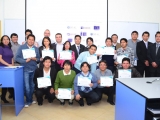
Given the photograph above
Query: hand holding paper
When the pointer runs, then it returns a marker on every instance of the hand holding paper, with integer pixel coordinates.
(84, 81)
(106, 81)
(64, 93)
(124, 73)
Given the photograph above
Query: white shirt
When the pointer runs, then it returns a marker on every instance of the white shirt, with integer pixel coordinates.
(66, 73)
(146, 43)
(59, 49)
(46, 74)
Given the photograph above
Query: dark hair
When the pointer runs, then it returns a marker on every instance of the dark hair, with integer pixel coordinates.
(58, 34)
(103, 61)
(114, 35)
(31, 35)
(89, 38)
(134, 32)
(124, 40)
(65, 44)
(68, 62)
(47, 58)
(28, 30)
(126, 59)
(13, 34)
(108, 38)
(146, 33)
(77, 36)
(158, 32)
(93, 46)
(50, 45)
(86, 64)
(9, 44)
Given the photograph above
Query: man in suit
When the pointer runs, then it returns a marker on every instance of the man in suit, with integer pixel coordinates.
(141, 49)
(115, 43)
(77, 47)
(58, 47)
(154, 57)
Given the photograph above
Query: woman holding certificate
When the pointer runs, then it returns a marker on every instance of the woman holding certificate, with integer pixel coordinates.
(66, 54)
(84, 83)
(46, 50)
(44, 80)
(6, 59)
(64, 83)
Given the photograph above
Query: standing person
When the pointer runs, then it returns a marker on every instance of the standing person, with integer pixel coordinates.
(6, 59)
(108, 90)
(65, 79)
(47, 33)
(141, 49)
(58, 46)
(78, 48)
(30, 65)
(132, 43)
(28, 32)
(125, 50)
(85, 92)
(15, 46)
(114, 38)
(154, 57)
(45, 71)
(89, 42)
(46, 45)
(67, 47)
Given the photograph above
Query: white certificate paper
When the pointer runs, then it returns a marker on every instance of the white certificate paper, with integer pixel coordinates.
(49, 53)
(28, 53)
(100, 50)
(64, 93)
(92, 59)
(108, 51)
(106, 81)
(84, 81)
(66, 55)
(120, 57)
(124, 73)
(44, 81)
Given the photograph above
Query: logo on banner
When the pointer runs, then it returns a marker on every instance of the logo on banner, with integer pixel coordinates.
(71, 34)
(96, 27)
(70, 39)
(83, 34)
(71, 27)
(82, 27)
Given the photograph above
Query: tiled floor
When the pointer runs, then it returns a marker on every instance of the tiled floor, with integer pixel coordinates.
(54, 111)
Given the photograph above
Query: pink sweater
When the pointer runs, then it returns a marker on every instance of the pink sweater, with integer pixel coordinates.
(62, 61)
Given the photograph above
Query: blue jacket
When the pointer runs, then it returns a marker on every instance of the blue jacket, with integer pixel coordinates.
(28, 66)
(82, 88)
(83, 58)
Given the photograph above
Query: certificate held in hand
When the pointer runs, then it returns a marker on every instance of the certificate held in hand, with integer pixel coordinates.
(106, 81)
(44, 82)
(108, 51)
(124, 73)
(66, 55)
(64, 93)
(120, 57)
(49, 53)
(28, 53)
(84, 81)
(92, 59)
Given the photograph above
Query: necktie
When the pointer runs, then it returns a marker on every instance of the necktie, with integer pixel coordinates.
(157, 47)
(78, 49)
(146, 44)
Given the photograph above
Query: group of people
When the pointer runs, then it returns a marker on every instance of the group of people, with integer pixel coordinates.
(141, 57)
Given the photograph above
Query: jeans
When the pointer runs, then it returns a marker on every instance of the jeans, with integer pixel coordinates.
(28, 86)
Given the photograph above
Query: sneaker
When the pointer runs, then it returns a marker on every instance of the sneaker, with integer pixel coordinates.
(34, 102)
(26, 106)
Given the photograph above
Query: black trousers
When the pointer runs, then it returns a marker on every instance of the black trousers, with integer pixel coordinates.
(91, 97)
(4, 91)
(42, 91)
(142, 69)
(105, 90)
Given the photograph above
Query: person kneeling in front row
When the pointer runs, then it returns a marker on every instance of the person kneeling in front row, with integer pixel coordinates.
(64, 80)
(84, 83)
(46, 72)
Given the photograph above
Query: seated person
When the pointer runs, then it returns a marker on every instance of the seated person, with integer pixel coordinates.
(86, 92)
(66, 47)
(45, 72)
(126, 65)
(65, 79)
(108, 90)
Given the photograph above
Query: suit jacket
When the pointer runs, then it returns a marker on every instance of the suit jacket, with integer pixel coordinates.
(142, 52)
(82, 49)
(39, 73)
(153, 57)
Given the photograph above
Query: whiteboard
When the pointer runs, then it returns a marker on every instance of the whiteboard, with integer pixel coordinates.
(124, 29)
(15, 26)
